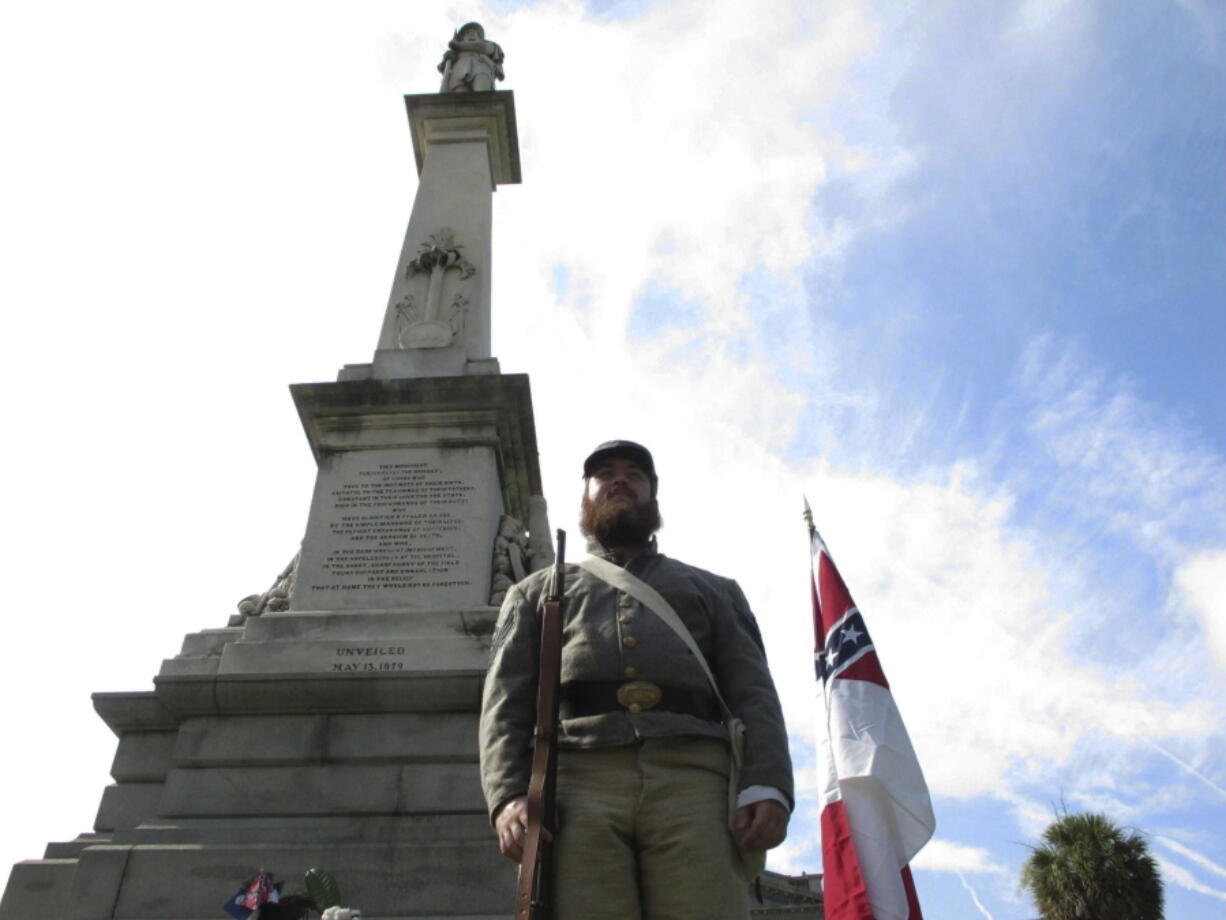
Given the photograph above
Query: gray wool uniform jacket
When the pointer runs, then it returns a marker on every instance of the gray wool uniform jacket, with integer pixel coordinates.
(608, 636)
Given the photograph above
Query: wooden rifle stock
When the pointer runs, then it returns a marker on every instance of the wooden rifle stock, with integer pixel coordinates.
(533, 899)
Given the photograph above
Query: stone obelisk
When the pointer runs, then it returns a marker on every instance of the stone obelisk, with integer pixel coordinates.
(332, 723)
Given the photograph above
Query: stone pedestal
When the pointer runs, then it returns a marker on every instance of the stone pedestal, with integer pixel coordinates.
(414, 476)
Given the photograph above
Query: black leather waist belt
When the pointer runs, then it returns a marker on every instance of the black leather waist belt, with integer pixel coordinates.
(596, 697)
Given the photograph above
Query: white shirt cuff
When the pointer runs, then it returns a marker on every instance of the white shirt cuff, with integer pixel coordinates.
(751, 794)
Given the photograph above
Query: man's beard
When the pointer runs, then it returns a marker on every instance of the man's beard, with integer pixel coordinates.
(619, 521)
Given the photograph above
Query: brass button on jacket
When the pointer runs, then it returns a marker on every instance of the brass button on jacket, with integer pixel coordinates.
(631, 673)
(630, 642)
(624, 618)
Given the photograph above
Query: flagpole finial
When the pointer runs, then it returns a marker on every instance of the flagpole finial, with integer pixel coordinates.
(808, 512)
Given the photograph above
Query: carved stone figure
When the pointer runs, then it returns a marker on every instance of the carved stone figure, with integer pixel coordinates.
(455, 314)
(518, 553)
(470, 64)
(510, 555)
(275, 599)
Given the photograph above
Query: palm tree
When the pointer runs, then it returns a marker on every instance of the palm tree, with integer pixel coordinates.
(1088, 869)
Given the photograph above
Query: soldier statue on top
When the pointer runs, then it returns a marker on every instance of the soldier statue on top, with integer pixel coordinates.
(470, 64)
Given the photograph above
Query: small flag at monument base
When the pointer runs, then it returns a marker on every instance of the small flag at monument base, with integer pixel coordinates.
(256, 891)
(876, 811)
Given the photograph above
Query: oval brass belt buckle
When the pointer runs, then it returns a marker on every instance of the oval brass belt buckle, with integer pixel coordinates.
(638, 695)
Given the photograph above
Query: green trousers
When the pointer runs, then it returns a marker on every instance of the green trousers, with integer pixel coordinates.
(644, 834)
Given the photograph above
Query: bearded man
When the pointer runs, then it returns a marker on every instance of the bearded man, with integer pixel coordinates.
(644, 759)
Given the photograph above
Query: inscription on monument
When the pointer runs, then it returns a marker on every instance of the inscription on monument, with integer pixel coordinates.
(369, 658)
(382, 536)
(400, 528)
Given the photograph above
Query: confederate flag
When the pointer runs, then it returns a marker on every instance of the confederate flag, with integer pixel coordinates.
(876, 813)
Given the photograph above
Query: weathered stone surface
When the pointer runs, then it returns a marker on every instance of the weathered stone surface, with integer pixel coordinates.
(242, 694)
(250, 740)
(133, 710)
(96, 882)
(434, 115)
(184, 666)
(322, 790)
(208, 641)
(306, 739)
(431, 411)
(71, 849)
(127, 805)
(442, 736)
(324, 830)
(377, 625)
(38, 888)
(143, 757)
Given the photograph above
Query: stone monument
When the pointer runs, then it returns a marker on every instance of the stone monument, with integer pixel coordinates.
(332, 722)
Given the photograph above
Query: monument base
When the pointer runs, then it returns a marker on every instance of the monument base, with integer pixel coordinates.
(371, 775)
(338, 730)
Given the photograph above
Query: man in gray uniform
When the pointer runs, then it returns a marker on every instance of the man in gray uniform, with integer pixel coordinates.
(643, 757)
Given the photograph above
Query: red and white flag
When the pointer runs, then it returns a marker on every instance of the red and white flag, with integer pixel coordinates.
(876, 812)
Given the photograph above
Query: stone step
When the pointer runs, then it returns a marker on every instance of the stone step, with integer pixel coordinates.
(191, 882)
(323, 790)
(71, 849)
(406, 737)
(328, 830)
(246, 694)
(38, 888)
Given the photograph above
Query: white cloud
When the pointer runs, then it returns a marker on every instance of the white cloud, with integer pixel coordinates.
(1202, 583)
(1121, 463)
(703, 174)
(1188, 853)
(1184, 879)
(940, 855)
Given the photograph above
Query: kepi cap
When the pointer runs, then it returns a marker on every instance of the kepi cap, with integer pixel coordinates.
(631, 450)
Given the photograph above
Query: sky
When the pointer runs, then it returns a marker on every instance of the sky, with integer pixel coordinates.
(956, 272)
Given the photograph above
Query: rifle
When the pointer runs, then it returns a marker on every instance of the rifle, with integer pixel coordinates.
(532, 894)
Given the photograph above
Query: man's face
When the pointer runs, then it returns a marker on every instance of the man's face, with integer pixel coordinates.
(619, 479)
(618, 509)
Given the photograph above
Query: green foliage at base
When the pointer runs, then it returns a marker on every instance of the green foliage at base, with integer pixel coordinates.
(322, 889)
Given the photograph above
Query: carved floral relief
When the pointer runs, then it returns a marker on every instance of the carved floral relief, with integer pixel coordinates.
(422, 320)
